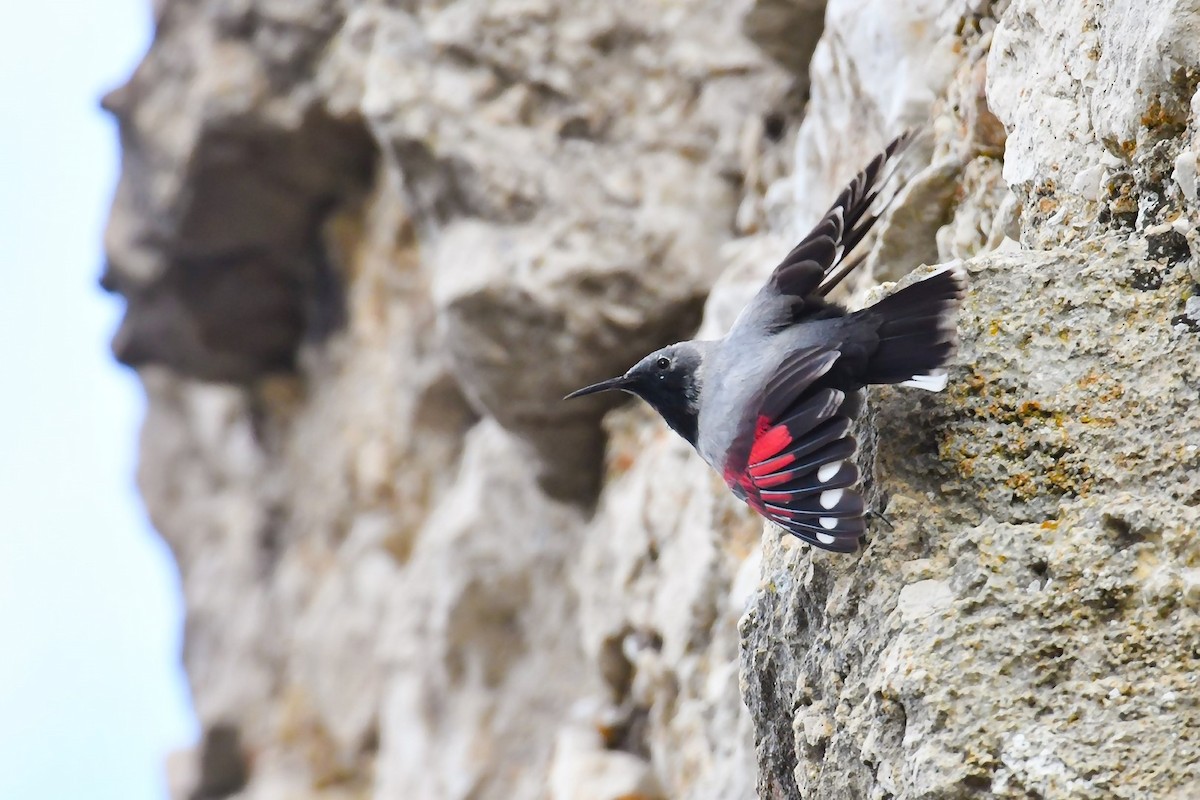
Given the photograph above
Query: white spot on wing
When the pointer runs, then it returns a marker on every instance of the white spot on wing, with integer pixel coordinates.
(830, 497)
(827, 471)
(825, 538)
(933, 382)
(829, 523)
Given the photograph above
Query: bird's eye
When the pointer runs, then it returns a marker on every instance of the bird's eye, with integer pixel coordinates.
(663, 362)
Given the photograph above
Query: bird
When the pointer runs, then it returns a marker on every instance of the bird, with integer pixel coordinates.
(770, 405)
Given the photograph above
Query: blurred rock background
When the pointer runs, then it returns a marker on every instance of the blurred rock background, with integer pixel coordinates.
(367, 246)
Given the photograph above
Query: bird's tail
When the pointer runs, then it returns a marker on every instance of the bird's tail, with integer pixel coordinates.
(917, 332)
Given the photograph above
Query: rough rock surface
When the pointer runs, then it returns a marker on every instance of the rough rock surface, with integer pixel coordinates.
(367, 246)
(1028, 628)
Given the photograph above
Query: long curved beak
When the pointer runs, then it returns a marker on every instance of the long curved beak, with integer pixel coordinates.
(619, 382)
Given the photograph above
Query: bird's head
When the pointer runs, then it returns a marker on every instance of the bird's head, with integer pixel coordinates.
(667, 379)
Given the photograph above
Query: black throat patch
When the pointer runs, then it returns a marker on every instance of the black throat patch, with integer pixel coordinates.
(675, 402)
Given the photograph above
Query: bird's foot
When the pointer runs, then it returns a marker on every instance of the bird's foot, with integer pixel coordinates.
(872, 514)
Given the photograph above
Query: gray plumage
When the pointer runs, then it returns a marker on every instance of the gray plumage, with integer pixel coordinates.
(770, 405)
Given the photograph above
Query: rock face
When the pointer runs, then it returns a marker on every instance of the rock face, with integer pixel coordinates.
(366, 247)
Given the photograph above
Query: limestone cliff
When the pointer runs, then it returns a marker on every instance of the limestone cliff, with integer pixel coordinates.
(367, 246)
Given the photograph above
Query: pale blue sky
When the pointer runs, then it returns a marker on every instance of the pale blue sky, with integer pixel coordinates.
(91, 693)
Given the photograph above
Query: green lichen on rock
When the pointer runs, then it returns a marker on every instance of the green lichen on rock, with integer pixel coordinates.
(1026, 627)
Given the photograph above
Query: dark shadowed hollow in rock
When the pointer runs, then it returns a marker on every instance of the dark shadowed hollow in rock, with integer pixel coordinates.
(368, 247)
(234, 269)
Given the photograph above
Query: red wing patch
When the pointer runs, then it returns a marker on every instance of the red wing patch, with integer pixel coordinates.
(769, 440)
(800, 475)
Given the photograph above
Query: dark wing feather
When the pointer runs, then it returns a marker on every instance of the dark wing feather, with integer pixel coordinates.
(795, 469)
(797, 372)
(812, 266)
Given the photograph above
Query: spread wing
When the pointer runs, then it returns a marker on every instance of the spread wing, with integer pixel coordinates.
(817, 264)
(797, 470)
